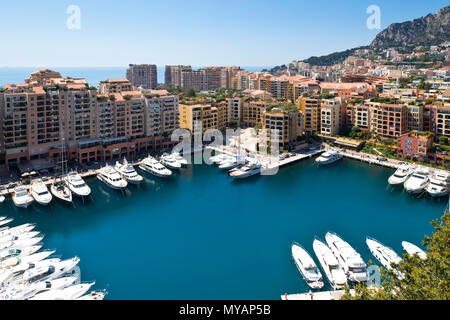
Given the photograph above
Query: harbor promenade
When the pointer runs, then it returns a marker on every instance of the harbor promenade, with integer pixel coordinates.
(310, 296)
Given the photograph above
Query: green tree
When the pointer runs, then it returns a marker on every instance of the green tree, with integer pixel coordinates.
(427, 279)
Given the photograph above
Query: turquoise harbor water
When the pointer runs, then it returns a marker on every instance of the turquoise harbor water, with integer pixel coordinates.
(202, 236)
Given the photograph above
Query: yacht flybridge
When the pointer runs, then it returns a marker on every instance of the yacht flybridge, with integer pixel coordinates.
(412, 249)
(154, 167)
(305, 264)
(350, 260)
(330, 265)
(127, 172)
(77, 185)
(329, 157)
(401, 175)
(109, 176)
(21, 197)
(439, 184)
(40, 192)
(181, 160)
(418, 181)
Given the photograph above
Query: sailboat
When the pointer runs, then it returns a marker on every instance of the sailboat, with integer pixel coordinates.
(59, 188)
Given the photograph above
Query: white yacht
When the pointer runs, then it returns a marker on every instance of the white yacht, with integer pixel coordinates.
(154, 167)
(354, 266)
(21, 197)
(50, 272)
(401, 174)
(22, 236)
(20, 244)
(128, 173)
(9, 253)
(27, 291)
(17, 230)
(6, 221)
(305, 264)
(412, 249)
(40, 192)
(384, 254)
(14, 261)
(330, 265)
(439, 184)
(109, 176)
(246, 171)
(170, 162)
(69, 293)
(180, 159)
(329, 157)
(61, 192)
(418, 181)
(77, 185)
(229, 164)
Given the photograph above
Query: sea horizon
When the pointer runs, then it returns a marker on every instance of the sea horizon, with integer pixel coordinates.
(10, 75)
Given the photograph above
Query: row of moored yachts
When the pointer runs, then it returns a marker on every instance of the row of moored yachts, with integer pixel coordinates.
(116, 177)
(417, 179)
(341, 263)
(26, 273)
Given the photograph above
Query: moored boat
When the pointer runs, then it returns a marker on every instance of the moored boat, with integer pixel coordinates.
(329, 157)
(305, 264)
(334, 272)
(170, 162)
(21, 197)
(402, 174)
(385, 255)
(354, 266)
(109, 176)
(77, 185)
(61, 192)
(154, 167)
(412, 249)
(439, 184)
(246, 171)
(128, 173)
(418, 180)
(40, 192)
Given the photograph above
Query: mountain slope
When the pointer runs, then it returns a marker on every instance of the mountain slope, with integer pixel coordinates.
(430, 30)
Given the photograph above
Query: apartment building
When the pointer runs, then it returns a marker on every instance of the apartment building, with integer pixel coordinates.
(253, 112)
(208, 78)
(110, 86)
(358, 116)
(389, 121)
(310, 108)
(443, 121)
(332, 116)
(288, 123)
(161, 113)
(198, 117)
(234, 110)
(144, 76)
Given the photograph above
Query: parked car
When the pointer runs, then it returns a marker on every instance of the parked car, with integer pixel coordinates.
(283, 156)
(382, 159)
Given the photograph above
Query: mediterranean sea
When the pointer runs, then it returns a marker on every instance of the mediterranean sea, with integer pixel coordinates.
(92, 75)
(201, 236)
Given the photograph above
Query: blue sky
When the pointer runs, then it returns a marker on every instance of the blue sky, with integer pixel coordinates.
(196, 32)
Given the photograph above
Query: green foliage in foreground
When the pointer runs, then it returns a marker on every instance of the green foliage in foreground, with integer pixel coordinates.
(427, 279)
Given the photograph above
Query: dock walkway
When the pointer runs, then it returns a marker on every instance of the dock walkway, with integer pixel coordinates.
(310, 296)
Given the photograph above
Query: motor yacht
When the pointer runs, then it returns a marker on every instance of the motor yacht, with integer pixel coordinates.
(154, 167)
(401, 174)
(418, 181)
(128, 173)
(20, 244)
(109, 176)
(14, 261)
(77, 185)
(51, 271)
(180, 159)
(10, 253)
(439, 184)
(40, 192)
(384, 254)
(61, 192)
(69, 293)
(246, 171)
(170, 162)
(305, 264)
(219, 158)
(22, 236)
(17, 230)
(329, 157)
(412, 249)
(354, 266)
(27, 291)
(330, 265)
(21, 197)
(229, 164)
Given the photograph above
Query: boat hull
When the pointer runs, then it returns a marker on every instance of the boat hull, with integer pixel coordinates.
(109, 184)
(154, 173)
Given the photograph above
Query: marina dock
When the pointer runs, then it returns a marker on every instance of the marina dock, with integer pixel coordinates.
(318, 296)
